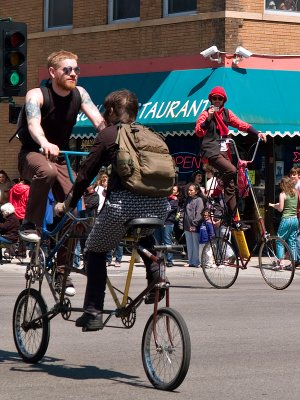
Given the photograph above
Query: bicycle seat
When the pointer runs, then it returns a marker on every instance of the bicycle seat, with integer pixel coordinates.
(149, 223)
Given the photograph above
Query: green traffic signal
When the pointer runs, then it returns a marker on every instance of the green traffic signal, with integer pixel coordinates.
(13, 58)
(14, 78)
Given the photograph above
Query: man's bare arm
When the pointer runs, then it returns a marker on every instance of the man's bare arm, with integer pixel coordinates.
(90, 109)
(33, 113)
(34, 102)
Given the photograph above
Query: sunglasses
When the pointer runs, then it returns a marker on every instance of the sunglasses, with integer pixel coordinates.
(220, 98)
(68, 70)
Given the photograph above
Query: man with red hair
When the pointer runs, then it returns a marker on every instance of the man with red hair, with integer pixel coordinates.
(212, 125)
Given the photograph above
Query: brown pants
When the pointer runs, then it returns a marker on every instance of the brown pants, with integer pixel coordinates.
(228, 173)
(43, 175)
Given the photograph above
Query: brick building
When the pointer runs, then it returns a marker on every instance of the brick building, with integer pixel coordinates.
(114, 37)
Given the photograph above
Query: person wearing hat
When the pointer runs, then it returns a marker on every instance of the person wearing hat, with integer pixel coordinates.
(212, 125)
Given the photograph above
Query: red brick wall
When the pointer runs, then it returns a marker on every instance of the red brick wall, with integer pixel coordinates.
(94, 40)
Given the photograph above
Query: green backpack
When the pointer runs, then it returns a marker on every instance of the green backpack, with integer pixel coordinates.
(143, 161)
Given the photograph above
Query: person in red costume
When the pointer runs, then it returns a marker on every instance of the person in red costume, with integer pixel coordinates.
(18, 196)
(212, 124)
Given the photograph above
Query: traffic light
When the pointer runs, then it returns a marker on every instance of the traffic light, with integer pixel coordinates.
(13, 58)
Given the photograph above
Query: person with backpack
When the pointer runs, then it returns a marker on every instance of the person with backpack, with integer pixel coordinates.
(122, 202)
(212, 125)
(44, 128)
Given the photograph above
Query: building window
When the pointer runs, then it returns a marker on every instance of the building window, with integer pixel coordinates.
(120, 10)
(283, 6)
(179, 7)
(58, 14)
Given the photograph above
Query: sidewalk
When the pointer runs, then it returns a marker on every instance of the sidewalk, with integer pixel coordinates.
(178, 269)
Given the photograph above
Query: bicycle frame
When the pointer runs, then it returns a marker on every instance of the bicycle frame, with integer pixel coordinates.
(264, 234)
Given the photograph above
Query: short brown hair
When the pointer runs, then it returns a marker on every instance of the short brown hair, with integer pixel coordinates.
(124, 104)
(56, 57)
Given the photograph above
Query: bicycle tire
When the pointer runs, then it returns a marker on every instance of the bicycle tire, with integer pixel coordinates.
(166, 364)
(220, 263)
(277, 272)
(31, 343)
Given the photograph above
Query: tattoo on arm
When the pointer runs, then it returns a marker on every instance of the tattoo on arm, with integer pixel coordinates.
(33, 110)
(85, 97)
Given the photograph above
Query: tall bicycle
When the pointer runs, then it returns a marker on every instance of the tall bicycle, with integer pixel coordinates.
(166, 346)
(221, 261)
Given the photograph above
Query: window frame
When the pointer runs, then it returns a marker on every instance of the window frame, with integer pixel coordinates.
(167, 14)
(277, 12)
(46, 19)
(118, 21)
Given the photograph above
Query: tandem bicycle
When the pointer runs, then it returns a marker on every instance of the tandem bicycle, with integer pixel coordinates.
(166, 345)
(222, 260)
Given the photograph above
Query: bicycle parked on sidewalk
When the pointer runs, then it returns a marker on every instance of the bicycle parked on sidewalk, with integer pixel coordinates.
(166, 346)
(221, 260)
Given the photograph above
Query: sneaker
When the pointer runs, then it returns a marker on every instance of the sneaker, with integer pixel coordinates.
(7, 254)
(239, 226)
(170, 265)
(117, 264)
(70, 289)
(90, 322)
(28, 232)
(110, 263)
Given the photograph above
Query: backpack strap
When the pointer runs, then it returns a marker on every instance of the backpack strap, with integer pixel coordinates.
(78, 99)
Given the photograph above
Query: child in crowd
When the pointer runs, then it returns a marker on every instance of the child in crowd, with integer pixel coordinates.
(206, 232)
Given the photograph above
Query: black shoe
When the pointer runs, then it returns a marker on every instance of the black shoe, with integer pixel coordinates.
(28, 232)
(70, 290)
(239, 226)
(90, 322)
(170, 265)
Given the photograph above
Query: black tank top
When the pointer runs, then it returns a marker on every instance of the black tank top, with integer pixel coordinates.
(58, 120)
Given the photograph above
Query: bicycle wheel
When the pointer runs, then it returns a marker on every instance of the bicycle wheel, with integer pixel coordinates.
(276, 263)
(31, 331)
(220, 263)
(166, 362)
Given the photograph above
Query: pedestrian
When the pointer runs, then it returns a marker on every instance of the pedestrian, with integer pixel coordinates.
(118, 253)
(295, 177)
(8, 228)
(50, 133)
(191, 218)
(5, 186)
(120, 205)
(164, 235)
(18, 197)
(101, 189)
(288, 205)
(212, 125)
(206, 232)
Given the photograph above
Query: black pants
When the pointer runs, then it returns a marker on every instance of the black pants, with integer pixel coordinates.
(228, 173)
(97, 275)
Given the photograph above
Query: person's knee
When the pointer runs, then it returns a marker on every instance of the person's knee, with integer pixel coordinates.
(46, 174)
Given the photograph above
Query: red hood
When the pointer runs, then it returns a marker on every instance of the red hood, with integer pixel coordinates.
(19, 189)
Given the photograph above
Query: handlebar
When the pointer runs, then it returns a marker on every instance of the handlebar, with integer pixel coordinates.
(66, 154)
(230, 140)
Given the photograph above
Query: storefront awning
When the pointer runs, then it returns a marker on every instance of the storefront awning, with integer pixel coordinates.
(171, 101)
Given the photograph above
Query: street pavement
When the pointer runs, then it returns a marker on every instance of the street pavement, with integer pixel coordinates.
(245, 342)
